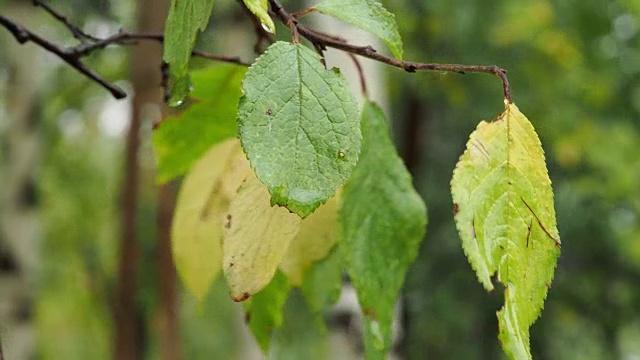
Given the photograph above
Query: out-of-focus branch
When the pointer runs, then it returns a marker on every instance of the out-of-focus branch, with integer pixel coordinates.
(88, 44)
(321, 40)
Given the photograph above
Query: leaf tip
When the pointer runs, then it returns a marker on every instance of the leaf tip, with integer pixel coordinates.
(240, 297)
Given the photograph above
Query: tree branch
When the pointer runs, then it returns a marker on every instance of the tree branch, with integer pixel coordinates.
(88, 44)
(324, 40)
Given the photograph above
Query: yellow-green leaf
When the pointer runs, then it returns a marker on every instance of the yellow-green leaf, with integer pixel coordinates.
(260, 8)
(196, 233)
(256, 238)
(317, 235)
(180, 140)
(503, 205)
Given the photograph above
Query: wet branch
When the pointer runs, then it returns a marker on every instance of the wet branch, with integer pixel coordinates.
(88, 44)
(322, 40)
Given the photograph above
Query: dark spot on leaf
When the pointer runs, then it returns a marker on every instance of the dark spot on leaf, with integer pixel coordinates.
(241, 297)
(548, 286)
(370, 313)
(227, 225)
(268, 112)
(231, 265)
(456, 209)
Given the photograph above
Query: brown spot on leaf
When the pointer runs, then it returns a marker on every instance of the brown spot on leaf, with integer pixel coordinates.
(370, 313)
(240, 298)
(268, 112)
(227, 225)
(456, 209)
(231, 265)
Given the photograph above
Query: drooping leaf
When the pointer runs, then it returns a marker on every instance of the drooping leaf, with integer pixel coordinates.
(256, 238)
(317, 235)
(185, 20)
(298, 124)
(303, 334)
(383, 221)
(504, 213)
(260, 8)
(264, 310)
(368, 15)
(322, 284)
(180, 140)
(196, 232)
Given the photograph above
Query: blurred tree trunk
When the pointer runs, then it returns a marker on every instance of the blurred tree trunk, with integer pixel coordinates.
(146, 59)
(18, 196)
(168, 315)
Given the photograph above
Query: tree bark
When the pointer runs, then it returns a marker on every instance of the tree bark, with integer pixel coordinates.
(146, 59)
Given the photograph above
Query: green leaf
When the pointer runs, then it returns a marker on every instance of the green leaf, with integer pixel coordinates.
(180, 140)
(260, 8)
(256, 238)
(185, 20)
(383, 221)
(368, 15)
(322, 284)
(504, 213)
(303, 334)
(317, 235)
(298, 124)
(196, 232)
(264, 310)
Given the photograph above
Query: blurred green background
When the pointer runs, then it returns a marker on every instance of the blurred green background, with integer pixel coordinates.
(574, 67)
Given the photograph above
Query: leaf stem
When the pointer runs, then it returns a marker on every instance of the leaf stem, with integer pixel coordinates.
(368, 51)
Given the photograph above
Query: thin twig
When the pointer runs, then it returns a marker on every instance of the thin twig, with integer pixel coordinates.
(23, 35)
(371, 53)
(73, 55)
(75, 31)
(363, 81)
(303, 12)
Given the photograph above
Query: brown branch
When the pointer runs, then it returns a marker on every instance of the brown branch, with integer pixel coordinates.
(325, 40)
(73, 55)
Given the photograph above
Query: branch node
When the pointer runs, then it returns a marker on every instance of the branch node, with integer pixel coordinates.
(411, 68)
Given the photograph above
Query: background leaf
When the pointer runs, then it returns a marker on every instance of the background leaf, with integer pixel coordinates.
(260, 8)
(180, 140)
(298, 125)
(303, 334)
(317, 235)
(186, 18)
(256, 238)
(504, 203)
(264, 310)
(196, 232)
(322, 284)
(383, 221)
(368, 15)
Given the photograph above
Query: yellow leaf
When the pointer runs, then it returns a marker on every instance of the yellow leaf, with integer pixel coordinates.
(317, 235)
(257, 236)
(196, 232)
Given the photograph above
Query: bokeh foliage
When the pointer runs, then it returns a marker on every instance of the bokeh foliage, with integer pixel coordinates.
(574, 68)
